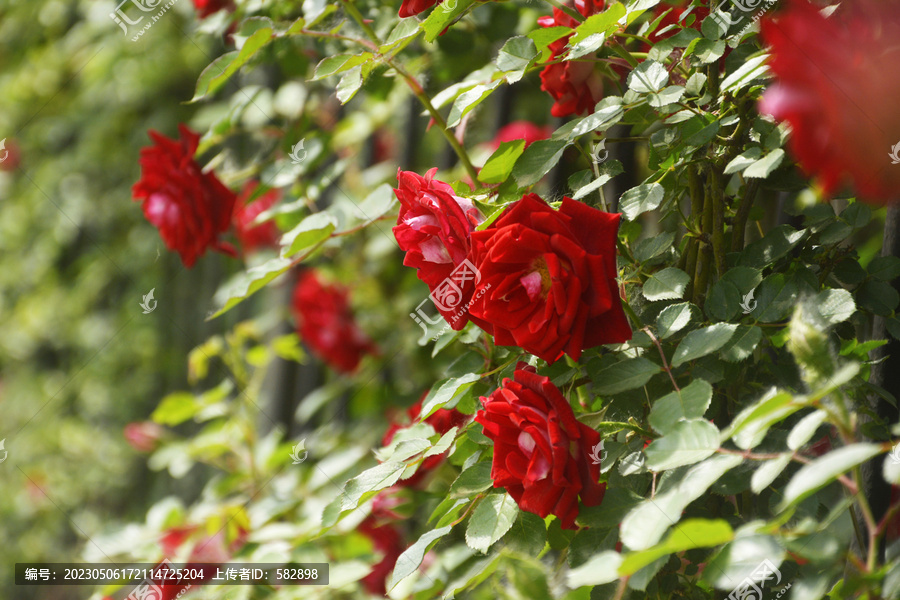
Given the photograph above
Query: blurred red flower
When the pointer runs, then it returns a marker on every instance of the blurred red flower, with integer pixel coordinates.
(325, 322)
(10, 156)
(575, 85)
(410, 8)
(836, 83)
(207, 7)
(388, 542)
(541, 451)
(258, 236)
(442, 420)
(189, 207)
(548, 278)
(143, 436)
(521, 130)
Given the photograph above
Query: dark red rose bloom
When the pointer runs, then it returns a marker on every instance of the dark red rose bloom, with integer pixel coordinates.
(521, 130)
(143, 436)
(433, 228)
(542, 453)
(207, 7)
(442, 420)
(836, 84)
(548, 278)
(259, 236)
(189, 207)
(410, 8)
(325, 322)
(575, 85)
(388, 542)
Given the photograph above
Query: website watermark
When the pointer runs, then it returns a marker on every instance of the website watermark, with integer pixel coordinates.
(299, 452)
(146, 6)
(448, 297)
(751, 587)
(148, 303)
(748, 304)
(726, 19)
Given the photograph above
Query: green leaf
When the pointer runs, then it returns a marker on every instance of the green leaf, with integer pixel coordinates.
(668, 284)
(401, 35)
(648, 77)
(537, 160)
(528, 534)
(645, 525)
(805, 429)
(701, 342)
(243, 285)
(686, 443)
(338, 64)
(885, 268)
(822, 471)
(223, 68)
(370, 481)
(742, 344)
(878, 297)
(544, 36)
(891, 467)
(606, 171)
(690, 534)
(741, 557)
(500, 165)
(617, 502)
(468, 100)
(641, 199)
(616, 377)
(775, 244)
(706, 51)
(764, 166)
(674, 318)
(493, 517)
(776, 297)
(652, 247)
(176, 408)
(476, 478)
(379, 202)
(445, 391)
(515, 56)
(749, 427)
(669, 95)
(768, 472)
(743, 160)
(312, 230)
(601, 568)
(412, 557)
(350, 83)
(602, 23)
(690, 403)
(835, 305)
(443, 444)
(750, 70)
(442, 16)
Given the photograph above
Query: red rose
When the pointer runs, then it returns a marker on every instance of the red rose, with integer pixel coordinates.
(542, 453)
(441, 420)
(262, 235)
(548, 278)
(325, 322)
(189, 207)
(433, 228)
(388, 542)
(410, 8)
(521, 130)
(836, 84)
(575, 85)
(207, 7)
(144, 436)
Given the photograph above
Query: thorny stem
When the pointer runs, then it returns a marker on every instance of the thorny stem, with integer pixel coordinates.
(740, 218)
(662, 355)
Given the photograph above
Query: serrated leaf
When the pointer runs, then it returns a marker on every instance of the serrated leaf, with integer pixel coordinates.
(601, 23)
(742, 344)
(476, 478)
(621, 376)
(607, 171)
(370, 481)
(652, 247)
(674, 318)
(401, 35)
(409, 561)
(690, 534)
(763, 167)
(528, 534)
(743, 160)
(648, 77)
(701, 342)
(350, 84)
(686, 443)
(641, 199)
(537, 160)
(338, 64)
(493, 517)
(443, 16)
(442, 444)
(468, 100)
(500, 165)
(768, 472)
(667, 284)
(835, 305)
(669, 95)
(822, 471)
(209, 83)
(645, 525)
(750, 69)
(690, 403)
(243, 285)
(515, 56)
(885, 268)
(445, 391)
